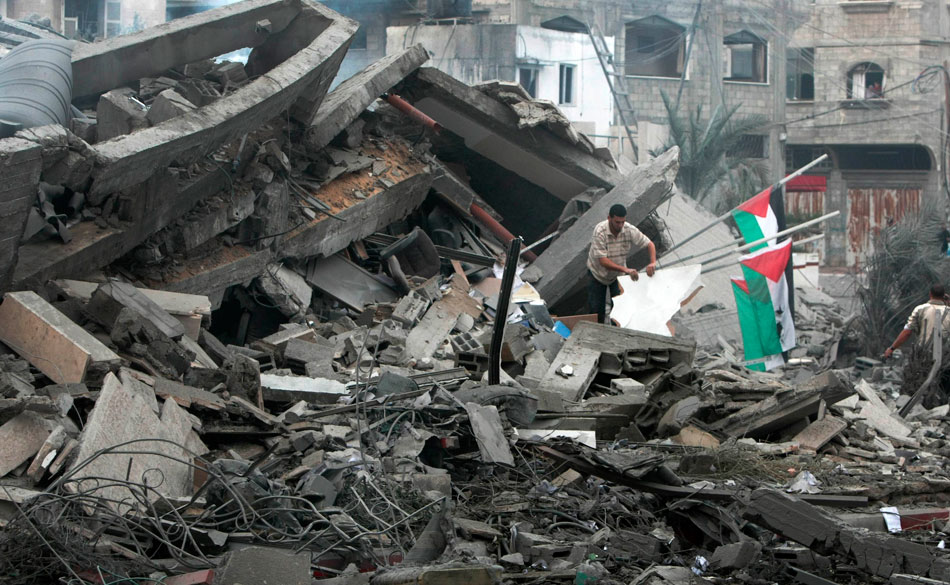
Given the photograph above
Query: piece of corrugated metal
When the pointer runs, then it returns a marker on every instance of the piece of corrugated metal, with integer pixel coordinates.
(804, 205)
(870, 211)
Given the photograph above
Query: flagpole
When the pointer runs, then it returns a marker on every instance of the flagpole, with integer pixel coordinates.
(757, 242)
(728, 214)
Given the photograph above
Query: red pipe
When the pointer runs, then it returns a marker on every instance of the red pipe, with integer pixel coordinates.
(413, 112)
(496, 228)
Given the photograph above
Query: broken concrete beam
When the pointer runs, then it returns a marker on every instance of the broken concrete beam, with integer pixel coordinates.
(228, 73)
(111, 297)
(293, 388)
(99, 67)
(21, 163)
(56, 346)
(130, 160)
(277, 342)
(119, 113)
(188, 309)
(809, 525)
(167, 105)
(562, 266)
(21, 437)
(345, 103)
(121, 415)
(490, 128)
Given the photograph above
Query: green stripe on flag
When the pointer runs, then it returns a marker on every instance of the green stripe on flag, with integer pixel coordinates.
(749, 227)
(756, 320)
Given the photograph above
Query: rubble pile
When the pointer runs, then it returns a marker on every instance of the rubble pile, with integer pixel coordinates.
(259, 332)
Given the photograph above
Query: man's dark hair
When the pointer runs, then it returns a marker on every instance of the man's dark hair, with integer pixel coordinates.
(617, 210)
(937, 291)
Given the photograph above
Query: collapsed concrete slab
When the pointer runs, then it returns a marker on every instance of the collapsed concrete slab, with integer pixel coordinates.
(99, 67)
(562, 266)
(491, 129)
(129, 160)
(345, 103)
(20, 165)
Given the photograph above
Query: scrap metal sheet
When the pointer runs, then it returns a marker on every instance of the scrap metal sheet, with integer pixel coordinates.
(649, 303)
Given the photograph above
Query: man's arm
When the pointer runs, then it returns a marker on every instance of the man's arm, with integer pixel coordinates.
(901, 338)
(651, 267)
(611, 265)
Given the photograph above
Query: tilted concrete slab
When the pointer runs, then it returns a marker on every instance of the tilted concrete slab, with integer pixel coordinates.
(345, 103)
(99, 67)
(20, 166)
(161, 202)
(490, 128)
(564, 263)
(321, 237)
(129, 160)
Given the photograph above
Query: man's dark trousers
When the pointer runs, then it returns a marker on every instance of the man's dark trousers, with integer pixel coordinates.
(597, 295)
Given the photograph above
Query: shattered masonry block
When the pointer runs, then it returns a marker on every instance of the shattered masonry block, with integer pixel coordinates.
(169, 104)
(736, 556)
(119, 113)
(465, 343)
(111, 297)
(410, 309)
(56, 346)
(626, 385)
(475, 363)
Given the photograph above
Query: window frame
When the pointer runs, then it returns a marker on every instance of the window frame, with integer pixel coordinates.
(570, 68)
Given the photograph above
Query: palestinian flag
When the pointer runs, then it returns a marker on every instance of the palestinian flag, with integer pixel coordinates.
(762, 216)
(764, 312)
(760, 343)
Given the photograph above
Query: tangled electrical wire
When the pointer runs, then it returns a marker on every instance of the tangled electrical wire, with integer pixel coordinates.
(119, 527)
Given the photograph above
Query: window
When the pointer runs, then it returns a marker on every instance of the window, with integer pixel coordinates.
(113, 18)
(654, 47)
(566, 91)
(749, 146)
(747, 58)
(800, 74)
(866, 81)
(528, 78)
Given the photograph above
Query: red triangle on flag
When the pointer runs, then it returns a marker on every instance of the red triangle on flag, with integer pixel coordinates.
(741, 284)
(758, 205)
(770, 262)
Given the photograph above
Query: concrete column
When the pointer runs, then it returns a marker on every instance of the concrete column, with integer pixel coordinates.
(713, 32)
(777, 74)
(836, 228)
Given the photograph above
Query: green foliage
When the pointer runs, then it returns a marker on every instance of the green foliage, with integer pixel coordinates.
(705, 145)
(906, 261)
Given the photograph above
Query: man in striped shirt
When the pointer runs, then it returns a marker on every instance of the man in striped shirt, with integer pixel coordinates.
(613, 241)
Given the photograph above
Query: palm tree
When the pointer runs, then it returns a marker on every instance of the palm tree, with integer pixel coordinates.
(706, 145)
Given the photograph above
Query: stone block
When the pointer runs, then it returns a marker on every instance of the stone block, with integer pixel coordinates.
(167, 105)
(117, 114)
(21, 437)
(56, 346)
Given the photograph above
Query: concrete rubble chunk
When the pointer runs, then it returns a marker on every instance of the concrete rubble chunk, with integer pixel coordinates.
(119, 113)
(351, 97)
(120, 416)
(111, 297)
(167, 105)
(21, 437)
(50, 341)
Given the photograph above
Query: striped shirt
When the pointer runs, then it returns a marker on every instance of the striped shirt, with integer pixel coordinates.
(605, 244)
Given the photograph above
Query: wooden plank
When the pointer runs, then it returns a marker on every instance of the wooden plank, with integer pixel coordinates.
(51, 342)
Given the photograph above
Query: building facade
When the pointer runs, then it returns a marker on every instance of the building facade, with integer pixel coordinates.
(89, 19)
(866, 86)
